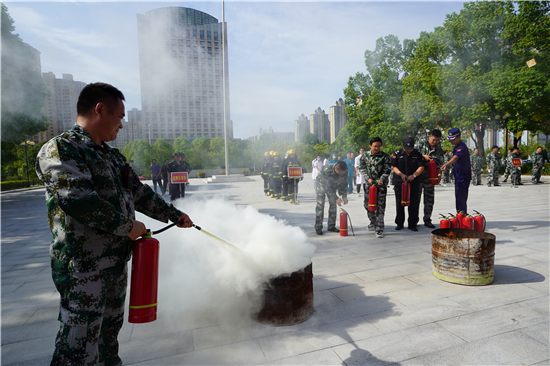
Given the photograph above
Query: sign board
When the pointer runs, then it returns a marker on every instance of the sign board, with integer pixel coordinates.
(178, 177)
(516, 162)
(294, 172)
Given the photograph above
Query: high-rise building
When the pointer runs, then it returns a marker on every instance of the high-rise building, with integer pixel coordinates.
(181, 60)
(338, 118)
(60, 105)
(301, 126)
(319, 125)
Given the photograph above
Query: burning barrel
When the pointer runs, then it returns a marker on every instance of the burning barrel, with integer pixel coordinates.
(466, 257)
(288, 299)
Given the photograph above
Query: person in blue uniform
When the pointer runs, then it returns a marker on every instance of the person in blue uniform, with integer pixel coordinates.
(462, 169)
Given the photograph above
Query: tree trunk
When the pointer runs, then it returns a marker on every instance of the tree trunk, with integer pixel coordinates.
(478, 139)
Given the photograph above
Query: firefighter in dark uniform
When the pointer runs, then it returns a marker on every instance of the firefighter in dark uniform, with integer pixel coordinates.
(265, 173)
(462, 169)
(276, 175)
(290, 185)
(179, 165)
(408, 164)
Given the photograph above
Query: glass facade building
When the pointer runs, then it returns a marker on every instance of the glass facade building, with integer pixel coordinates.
(182, 52)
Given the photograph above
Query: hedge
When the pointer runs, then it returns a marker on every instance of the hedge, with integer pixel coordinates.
(13, 184)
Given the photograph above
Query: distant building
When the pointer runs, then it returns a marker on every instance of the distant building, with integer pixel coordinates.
(122, 138)
(60, 105)
(181, 59)
(319, 125)
(282, 136)
(301, 126)
(338, 119)
(135, 128)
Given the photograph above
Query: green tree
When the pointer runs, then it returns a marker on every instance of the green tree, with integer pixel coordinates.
(200, 158)
(141, 153)
(23, 90)
(310, 139)
(161, 150)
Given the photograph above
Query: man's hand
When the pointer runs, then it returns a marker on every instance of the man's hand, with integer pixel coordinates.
(345, 200)
(186, 221)
(339, 202)
(410, 178)
(444, 166)
(371, 182)
(380, 182)
(427, 157)
(138, 229)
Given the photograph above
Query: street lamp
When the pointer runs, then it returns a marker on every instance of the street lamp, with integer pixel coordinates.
(27, 142)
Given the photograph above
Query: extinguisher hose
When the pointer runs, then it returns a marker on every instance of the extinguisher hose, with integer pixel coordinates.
(172, 225)
(484, 219)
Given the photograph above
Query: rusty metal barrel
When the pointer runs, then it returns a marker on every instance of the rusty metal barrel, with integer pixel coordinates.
(466, 257)
(288, 299)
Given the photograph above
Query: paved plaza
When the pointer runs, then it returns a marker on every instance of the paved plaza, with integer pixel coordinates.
(376, 300)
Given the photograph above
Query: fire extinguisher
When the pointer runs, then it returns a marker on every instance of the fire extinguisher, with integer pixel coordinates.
(144, 285)
(460, 217)
(444, 223)
(405, 194)
(344, 217)
(432, 173)
(455, 223)
(373, 198)
(467, 222)
(479, 222)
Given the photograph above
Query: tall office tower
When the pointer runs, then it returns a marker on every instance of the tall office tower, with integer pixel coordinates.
(301, 126)
(319, 125)
(60, 104)
(181, 61)
(134, 127)
(338, 118)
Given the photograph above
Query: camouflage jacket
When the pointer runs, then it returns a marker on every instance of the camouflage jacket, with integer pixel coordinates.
(375, 167)
(538, 160)
(436, 153)
(475, 161)
(493, 160)
(91, 195)
(510, 163)
(329, 182)
(289, 162)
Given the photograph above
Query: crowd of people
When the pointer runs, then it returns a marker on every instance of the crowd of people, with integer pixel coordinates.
(280, 182)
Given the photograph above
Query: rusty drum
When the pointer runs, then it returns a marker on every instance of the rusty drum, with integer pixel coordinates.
(466, 257)
(288, 299)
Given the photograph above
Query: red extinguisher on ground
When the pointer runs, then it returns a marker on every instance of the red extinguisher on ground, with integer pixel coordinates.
(432, 173)
(405, 194)
(444, 223)
(468, 222)
(144, 285)
(460, 217)
(373, 198)
(455, 223)
(479, 222)
(343, 223)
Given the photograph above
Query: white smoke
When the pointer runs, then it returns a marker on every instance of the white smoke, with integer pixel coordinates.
(203, 282)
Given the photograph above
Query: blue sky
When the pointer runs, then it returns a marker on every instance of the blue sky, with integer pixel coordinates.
(285, 58)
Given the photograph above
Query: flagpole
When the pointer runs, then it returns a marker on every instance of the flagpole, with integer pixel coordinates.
(224, 90)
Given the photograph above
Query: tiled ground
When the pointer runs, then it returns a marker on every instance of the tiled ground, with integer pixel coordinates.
(376, 301)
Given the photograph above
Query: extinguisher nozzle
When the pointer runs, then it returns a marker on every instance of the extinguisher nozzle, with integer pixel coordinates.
(197, 227)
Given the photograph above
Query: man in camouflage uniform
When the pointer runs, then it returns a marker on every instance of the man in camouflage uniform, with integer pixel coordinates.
(507, 169)
(375, 166)
(515, 171)
(290, 185)
(493, 165)
(332, 178)
(476, 162)
(91, 196)
(430, 150)
(265, 173)
(538, 164)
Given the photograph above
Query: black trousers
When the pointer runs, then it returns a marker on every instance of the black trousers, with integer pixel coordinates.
(177, 191)
(164, 184)
(155, 182)
(413, 208)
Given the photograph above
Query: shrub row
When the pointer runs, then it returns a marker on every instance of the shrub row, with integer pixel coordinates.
(13, 184)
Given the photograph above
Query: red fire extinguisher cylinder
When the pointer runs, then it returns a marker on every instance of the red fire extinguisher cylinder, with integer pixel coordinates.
(455, 223)
(444, 223)
(432, 173)
(460, 217)
(144, 285)
(373, 198)
(468, 222)
(405, 194)
(343, 223)
(479, 222)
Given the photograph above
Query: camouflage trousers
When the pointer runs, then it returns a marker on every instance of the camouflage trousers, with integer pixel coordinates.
(446, 175)
(492, 178)
(91, 313)
(515, 175)
(506, 172)
(320, 210)
(476, 177)
(537, 172)
(376, 218)
(429, 199)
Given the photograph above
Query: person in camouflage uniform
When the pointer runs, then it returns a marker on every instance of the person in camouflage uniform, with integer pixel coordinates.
(493, 165)
(375, 166)
(91, 197)
(265, 173)
(430, 150)
(507, 169)
(476, 162)
(538, 164)
(332, 178)
(515, 171)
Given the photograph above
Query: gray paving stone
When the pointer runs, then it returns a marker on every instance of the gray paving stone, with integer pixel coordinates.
(27, 350)
(540, 331)
(389, 272)
(540, 304)
(430, 292)
(494, 296)
(351, 309)
(373, 288)
(324, 283)
(156, 347)
(325, 357)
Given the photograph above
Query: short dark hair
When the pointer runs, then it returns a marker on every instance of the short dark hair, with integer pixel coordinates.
(436, 133)
(341, 165)
(95, 93)
(375, 139)
(495, 147)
